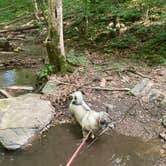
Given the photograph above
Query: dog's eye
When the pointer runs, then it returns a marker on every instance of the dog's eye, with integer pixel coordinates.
(75, 98)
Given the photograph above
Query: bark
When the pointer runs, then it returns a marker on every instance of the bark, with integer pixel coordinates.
(54, 41)
(60, 25)
(36, 10)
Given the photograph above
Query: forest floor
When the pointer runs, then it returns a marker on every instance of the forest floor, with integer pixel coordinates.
(131, 115)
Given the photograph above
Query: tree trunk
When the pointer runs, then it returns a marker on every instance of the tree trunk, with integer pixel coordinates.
(54, 42)
(60, 26)
(36, 10)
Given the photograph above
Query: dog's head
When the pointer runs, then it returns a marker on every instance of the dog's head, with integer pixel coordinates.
(77, 98)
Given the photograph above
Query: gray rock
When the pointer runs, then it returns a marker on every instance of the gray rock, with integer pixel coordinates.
(164, 120)
(50, 87)
(142, 88)
(21, 118)
(155, 94)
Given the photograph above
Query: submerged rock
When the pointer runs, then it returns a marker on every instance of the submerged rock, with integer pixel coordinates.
(21, 118)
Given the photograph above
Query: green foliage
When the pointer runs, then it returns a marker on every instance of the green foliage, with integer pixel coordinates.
(143, 38)
(124, 42)
(15, 9)
(127, 14)
(47, 70)
(78, 59)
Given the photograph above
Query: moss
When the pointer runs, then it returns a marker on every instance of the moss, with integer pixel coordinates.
(3, 104)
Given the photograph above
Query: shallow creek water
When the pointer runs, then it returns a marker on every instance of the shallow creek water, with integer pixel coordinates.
(17, 77)
(59, 142)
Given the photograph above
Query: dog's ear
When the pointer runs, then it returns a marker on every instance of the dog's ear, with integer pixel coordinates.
(70, 96)
(82, 92)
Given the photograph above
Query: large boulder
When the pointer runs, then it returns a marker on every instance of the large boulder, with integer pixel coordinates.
(21, 118)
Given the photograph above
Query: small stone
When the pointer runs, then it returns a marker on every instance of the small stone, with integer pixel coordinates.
(109, 107)
(142, 88)
(163, 135)
(164, 120)
(50, 87)
(164, 146)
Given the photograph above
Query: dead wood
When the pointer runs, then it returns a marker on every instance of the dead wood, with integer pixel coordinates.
(125, 69)
(22, 17)
(6, 8)
(20, 29)
(7, 52)
(93, 87)
(5, 93)
(106, 89)
(14, 87)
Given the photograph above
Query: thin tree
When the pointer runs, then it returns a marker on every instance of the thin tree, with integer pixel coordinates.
(54, 41)
(36, 10)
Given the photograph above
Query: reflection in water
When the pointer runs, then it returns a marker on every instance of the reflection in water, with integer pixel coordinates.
(17, 77)
(60, 142)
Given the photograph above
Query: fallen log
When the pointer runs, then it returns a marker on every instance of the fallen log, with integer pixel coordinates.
(19, 29)
(16, 87)
(6, 8)
(106, 89)
(7, 52)
(22, 17)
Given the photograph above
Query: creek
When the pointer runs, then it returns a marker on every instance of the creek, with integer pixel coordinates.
(56, 146)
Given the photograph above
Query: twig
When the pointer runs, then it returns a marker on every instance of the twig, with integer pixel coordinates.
(22, 17)
(128, 69)
(14, 87)
(100, 134)
(19, 29)
(107, 89)
(94, 87)
(69, 163)
(127, 111)
(138, 73)
(6, 8)
(7, 52)
(5, 93)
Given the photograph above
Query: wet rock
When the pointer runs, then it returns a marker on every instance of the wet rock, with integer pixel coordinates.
(164, 120)
(163, 135)
(21, 118)
(131, 127)
(50, 87)
(142, 88)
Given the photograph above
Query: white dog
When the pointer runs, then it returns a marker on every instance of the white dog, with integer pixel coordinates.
(87, 118)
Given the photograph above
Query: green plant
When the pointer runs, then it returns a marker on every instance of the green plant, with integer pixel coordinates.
(78, 59)
(47, 70)
(124, 42)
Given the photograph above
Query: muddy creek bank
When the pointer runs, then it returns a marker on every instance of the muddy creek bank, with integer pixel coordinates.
(57, 145)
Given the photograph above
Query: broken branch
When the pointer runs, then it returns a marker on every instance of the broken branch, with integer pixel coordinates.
(5, 93)
(107, 89)
(94, 87)
(19, 29)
